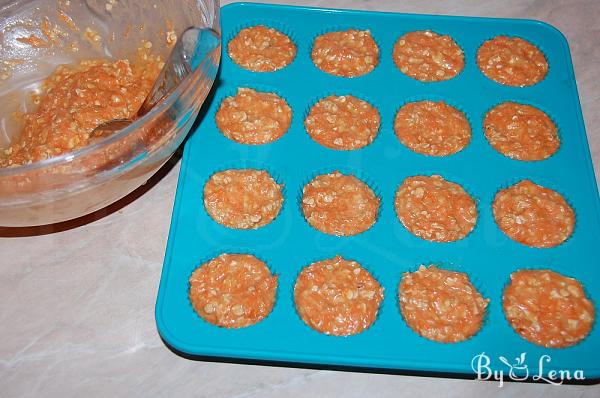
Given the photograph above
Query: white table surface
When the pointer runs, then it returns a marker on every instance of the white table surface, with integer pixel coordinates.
(77, 299)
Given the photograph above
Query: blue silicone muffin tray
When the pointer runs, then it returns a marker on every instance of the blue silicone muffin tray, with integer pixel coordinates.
(387, 250)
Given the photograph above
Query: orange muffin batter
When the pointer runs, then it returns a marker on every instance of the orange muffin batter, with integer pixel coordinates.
(512, 61)
(435, 209)
(432, 128)
(547, 308)
(75, 100)
(339, 204)
(521, 131)
(347, 53)
(261, 49)
(428, 56)
(441, 305)
(242, 199)
(252, 117)
(343, 122)
(337, 297)
(233, 290)
(533, 215)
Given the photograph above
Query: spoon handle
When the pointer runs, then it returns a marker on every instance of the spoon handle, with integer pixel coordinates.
(193, 47)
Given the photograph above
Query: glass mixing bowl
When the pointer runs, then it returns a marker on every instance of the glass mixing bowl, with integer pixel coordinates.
(38, 35)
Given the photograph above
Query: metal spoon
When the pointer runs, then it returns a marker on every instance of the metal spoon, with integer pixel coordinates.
(193, 46)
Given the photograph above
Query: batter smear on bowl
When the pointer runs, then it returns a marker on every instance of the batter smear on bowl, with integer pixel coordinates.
(547, 308)
(512, 61)
(76, 99)
(233, 290)
(441, 305)
(339, 204)
(533, 215)
(521, 132)
(435, 209)
(337, 297)
(432, 128)
(252, 117)
(348, 53)
(428, 56)
(242, 199)
(261, 49)
(343, 122)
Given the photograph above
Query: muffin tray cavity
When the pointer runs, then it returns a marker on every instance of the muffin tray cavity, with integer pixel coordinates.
(387, 249)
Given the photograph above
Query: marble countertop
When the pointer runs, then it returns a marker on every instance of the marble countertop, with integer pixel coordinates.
(77, 299)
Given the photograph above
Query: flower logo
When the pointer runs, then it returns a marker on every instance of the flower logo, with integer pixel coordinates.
(518, 370)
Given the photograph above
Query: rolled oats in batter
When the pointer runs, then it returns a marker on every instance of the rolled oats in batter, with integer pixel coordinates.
(343, 122)
(428, 56)
(337, 297)
(233, 290)
(533, 215)
(441, 305)
(521, 132)
(261, 49)
(547, 308)
(253, 117)
(242, 198)
(432, 128)
(435, 209)
(512, 61)
(348, 53)
(339, 204)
